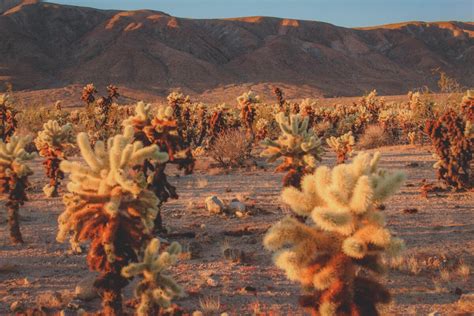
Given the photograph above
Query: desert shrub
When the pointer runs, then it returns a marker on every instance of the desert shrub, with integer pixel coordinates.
(374, 137)
(453, 144)
(231, 149)
(336, 257)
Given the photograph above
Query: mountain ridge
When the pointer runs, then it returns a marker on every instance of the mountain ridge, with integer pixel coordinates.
(45, 45)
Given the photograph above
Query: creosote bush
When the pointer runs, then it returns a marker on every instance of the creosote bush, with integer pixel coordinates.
(51, 143)
(331, 256)
(109, 206)
(14, 175)
(156, 289)
(231, 149)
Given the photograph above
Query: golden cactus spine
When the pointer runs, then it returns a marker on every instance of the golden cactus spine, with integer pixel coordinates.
(109, 205)
(14, 175)
(347, 235)
(156, 289)
(51, 143)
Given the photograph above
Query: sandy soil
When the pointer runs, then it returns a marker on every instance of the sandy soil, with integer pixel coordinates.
(439, 237)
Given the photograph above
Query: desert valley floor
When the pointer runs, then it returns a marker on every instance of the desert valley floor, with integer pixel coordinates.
(439, 234)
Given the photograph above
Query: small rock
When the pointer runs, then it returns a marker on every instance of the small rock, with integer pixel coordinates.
(249, 288)
(85, 289)
(228, 190)
(202, 226)
(17, 306)
(412, 164)
(239, 214)
(197, 313)
(412, 210)
(237, 206)
(458, 291)
(211, 282)
(214, 205)
(434, 314)
(234, 255)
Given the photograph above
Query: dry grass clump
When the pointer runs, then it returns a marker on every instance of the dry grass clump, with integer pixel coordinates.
(231, 149)
(374, 137)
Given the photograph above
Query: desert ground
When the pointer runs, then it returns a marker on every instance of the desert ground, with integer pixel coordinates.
(438, 231)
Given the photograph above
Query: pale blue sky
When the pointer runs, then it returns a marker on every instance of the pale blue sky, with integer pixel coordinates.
(348, 13)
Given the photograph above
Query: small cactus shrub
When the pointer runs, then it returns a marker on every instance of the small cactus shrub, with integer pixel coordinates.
(342, 146)
(160, 129)
(453, 144)
(14, 175)
(51, 143)
(299, 146)
(156, 289)
(109, 205)
(8, 120)
(332, 256)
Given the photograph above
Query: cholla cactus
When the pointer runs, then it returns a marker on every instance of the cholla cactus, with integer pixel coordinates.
(342, 146)
(14, 175)
(109, 206)
(300, 148)
(8, 121)
(453, 148)
(347, 236)
(247, 110)
(467, 106)
(156, 289)
(51, 143)
(412, 137)
(262, 129)
(282, 106)
(160, 129)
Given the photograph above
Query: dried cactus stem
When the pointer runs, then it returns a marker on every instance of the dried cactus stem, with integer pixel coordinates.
(110, 287)
(14, 222)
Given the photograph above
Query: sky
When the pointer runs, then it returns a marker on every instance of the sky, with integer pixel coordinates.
(349, 13)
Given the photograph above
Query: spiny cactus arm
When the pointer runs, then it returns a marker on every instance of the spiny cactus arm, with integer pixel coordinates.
(362, 196)
(387, 185)
(87, 153)
(331, 220)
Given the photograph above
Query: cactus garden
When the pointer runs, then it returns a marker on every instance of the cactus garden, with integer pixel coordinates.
(193, 158)
(280, 208)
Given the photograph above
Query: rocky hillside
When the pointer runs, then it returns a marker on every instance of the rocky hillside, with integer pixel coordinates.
(44, 46)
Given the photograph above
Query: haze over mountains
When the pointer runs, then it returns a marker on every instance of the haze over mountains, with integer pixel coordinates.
(45, 46)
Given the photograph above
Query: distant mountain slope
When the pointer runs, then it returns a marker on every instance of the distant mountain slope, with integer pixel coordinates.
(44, 45)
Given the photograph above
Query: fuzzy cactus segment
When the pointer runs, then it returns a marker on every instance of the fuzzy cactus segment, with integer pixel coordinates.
(110, 206)
(156, 289)
(51, 143)
(298, 145)
(342, 146)
(14, 173)
(347, 234)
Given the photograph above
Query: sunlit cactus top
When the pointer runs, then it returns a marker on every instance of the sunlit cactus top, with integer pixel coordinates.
(295, 141)
(54, 136)
(248, 98)
(108, 165)
(13, 155)
(143, 115)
